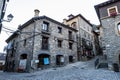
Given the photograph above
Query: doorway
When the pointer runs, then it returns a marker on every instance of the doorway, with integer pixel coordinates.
(71, 59)
(44, 60)
(59, 60)
(23, 62)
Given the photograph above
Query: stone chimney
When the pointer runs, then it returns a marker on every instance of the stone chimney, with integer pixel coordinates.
(70, 16)
(36, 13)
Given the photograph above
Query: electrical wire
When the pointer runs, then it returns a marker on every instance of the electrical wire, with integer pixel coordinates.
(8, 29)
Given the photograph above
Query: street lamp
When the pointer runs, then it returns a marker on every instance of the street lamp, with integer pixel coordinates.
(9, 18)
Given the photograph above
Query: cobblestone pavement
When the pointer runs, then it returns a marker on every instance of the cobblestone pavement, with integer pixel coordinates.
(75, 71)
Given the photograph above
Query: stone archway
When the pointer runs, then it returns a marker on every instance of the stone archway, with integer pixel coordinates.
(44, 60)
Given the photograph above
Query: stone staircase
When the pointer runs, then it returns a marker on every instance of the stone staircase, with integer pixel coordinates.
(101, 62)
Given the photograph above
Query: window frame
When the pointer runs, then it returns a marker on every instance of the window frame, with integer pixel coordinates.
(45, 42)
(70, 45)
(45, 26)
(74, 25)
(108, 10)
(60, 30)
(25, 42)
(59, 43)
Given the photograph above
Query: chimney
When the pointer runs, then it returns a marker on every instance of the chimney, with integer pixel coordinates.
(70, 16)
(36, 13)
(64, 21)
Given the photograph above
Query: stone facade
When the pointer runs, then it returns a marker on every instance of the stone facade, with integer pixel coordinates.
(111, 38)
(85, 40)
(110, 34)
(97, 39)
(41, 43)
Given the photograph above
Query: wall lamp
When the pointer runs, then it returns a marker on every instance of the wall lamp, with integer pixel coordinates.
(9, 18)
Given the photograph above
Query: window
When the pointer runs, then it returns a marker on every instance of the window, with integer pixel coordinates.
(45, 43)
(73, 25)
(89, 36)
(45, 26)
(59, 43)
(59, 30)
(70, 34)
(112, 11)
(70, 45)
(118, 26)
(24, 44)
(85, 34)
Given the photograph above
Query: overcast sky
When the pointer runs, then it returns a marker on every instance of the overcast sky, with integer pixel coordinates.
(23, 10)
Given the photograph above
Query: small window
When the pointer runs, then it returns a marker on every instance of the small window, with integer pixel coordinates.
(24, 44)
(59, 43)
(70, 45)
(45, 43)
(88, 36)
(70, 33)
(74, 25)
(112, 11)
(118, 26)
(84, 34)
(45, 26)
(59, 30)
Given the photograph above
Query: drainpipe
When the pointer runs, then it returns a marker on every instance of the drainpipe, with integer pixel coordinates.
(33, 64)
(32, 61)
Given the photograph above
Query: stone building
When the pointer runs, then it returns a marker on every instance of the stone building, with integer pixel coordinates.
(109, 15)
(85, 47)
(97, 39)
(41, 43)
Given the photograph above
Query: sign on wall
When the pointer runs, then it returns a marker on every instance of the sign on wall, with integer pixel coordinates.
(22, 64)
(62, 59)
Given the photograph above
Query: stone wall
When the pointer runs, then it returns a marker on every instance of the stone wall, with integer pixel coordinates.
(111, 38)
(32, 37)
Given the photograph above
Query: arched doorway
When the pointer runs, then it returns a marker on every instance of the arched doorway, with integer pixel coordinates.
(44, 60)
(59, 59)
(23, 62)
(23, 56)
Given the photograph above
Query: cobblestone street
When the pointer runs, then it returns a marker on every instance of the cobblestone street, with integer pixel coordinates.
(75, 71)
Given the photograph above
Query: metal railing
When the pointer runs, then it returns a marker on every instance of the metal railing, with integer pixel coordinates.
(97, 63)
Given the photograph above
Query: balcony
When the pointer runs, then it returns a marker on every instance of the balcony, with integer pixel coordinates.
(47, 32)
